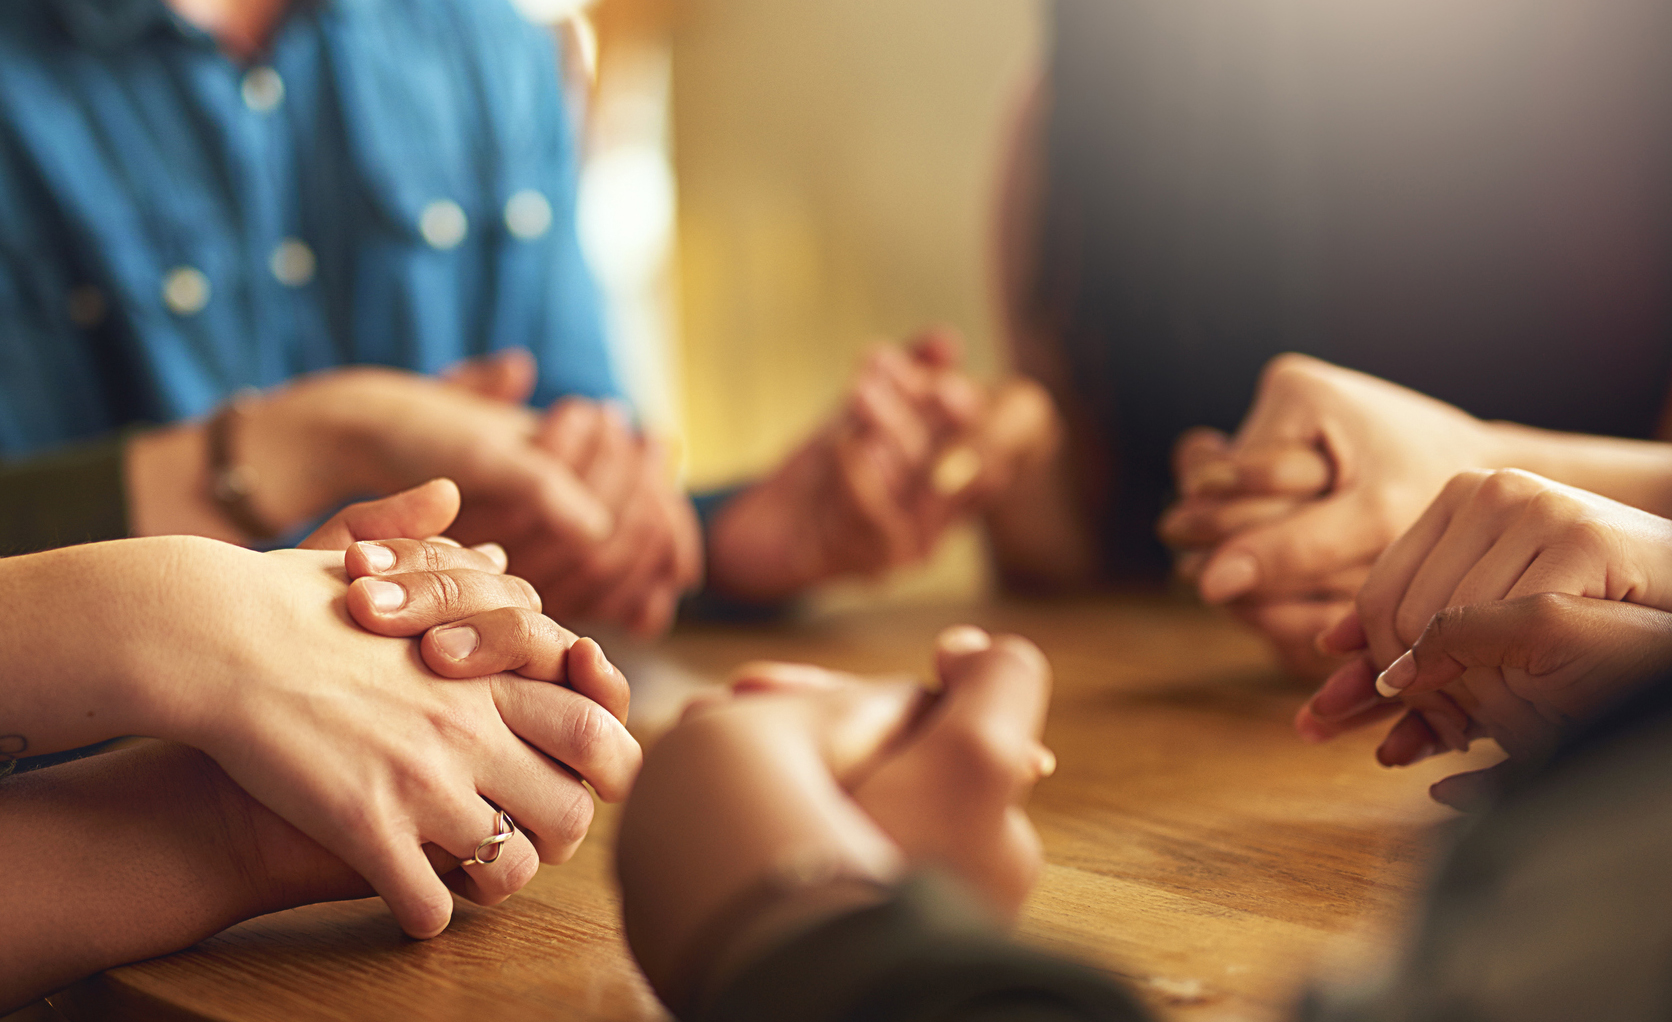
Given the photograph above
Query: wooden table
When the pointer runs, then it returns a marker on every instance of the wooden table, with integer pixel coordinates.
(1195, 845)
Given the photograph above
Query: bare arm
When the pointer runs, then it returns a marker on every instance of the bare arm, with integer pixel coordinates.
(138, 853)
(1635, 472)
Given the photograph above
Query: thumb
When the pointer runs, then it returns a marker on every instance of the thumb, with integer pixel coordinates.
(425, 510)
(506, 375)
(1322, 538)
(1288, 468)
(1542, 634)
(997, 691)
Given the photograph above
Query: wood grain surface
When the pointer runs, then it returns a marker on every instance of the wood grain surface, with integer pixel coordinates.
(1195, 846)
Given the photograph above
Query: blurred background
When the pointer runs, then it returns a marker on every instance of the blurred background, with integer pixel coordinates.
(771, 187)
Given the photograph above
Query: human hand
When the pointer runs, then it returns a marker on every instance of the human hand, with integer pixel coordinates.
(435, 588)
(623, 554)
(1519, 671)
(654, 553)
(1283, 522)
(809, 789)
(1503, 534)
(345, 735)
(916, 445)
(1489, 537)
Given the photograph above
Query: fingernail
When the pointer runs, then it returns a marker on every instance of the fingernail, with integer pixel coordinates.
(495, 553)
(380, 557)
(1047, 763)
(385, 596)
(1214, 477)
(458, 641)
(961, 639)
(956, 469)
(603, 659)
(1230, 577)
(1398, 676)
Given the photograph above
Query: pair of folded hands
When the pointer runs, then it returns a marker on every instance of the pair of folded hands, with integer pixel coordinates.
(1510, 605)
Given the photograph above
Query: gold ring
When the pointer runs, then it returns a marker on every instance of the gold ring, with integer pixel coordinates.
(488, 849)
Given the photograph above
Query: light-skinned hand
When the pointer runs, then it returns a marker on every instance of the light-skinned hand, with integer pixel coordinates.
(807, 776)
(334, 435)
(916, 445)
(654, 553)
(1282, 522)
(1491, 539)
(257, 660)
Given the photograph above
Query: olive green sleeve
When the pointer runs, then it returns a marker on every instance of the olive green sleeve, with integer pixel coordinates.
(925, 955)
(63, 497)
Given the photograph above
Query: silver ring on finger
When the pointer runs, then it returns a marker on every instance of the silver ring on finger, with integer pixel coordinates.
(488, 849)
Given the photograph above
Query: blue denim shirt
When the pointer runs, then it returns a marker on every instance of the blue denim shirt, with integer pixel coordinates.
(393, 182)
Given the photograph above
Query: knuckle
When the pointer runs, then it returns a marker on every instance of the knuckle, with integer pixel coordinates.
(1283, 368)
(573, 819)
(1549, 504)
(1504, 486)
(520, 634)
(1023, 653)
(587, 733)
(1465, 484)
(1409, 623)
(428, 557)
(518, 872)
(1444, 626)
(530, 595)
(443, 591)
(1547, 613)
(984, 758)
(1590, 536)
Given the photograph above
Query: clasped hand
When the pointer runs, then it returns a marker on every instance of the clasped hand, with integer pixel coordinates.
(1514, 606)
(916, 445)
(375, 749)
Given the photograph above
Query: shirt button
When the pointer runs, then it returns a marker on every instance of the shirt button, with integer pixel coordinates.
(185, 291)
(443, 224)
(87, 307)
(292, 262)
(528, 215)
(263, 89)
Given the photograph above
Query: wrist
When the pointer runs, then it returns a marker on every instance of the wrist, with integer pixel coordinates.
(169, 656)
(779, 922)
(759, 918)
(305, 449)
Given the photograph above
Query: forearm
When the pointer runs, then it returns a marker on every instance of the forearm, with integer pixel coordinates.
(114, 859)
(85, 643)
(926, 953)
(306, 447)
(1635, 472)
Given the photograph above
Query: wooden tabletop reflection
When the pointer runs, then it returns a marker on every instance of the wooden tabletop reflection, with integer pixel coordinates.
(1195, 846)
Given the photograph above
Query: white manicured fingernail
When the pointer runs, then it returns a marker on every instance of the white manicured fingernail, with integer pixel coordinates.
(380, 557)
(458, 641)
(386, 597)
(1398, 676)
